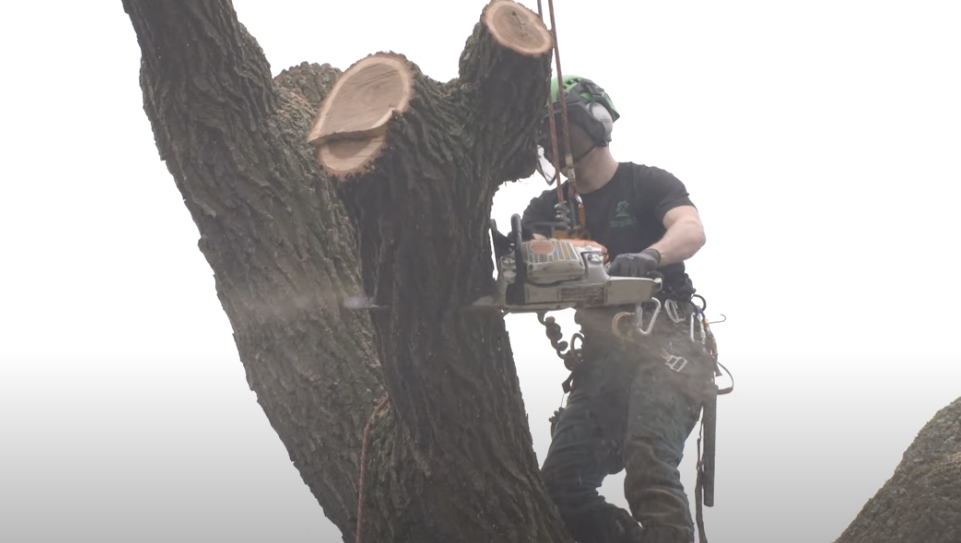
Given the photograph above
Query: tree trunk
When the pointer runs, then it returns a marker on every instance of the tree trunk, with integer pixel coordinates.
(452, 458)
(922, 500)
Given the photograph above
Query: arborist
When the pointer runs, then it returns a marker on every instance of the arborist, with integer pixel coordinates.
(632, 404)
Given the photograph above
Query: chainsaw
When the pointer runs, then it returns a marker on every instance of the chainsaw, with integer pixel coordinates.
(551, 274)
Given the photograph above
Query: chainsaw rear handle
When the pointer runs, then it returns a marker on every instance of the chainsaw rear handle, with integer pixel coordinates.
(517, 233)
(515, 292)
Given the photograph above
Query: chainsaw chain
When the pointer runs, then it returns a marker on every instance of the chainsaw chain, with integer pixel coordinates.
(572, 356)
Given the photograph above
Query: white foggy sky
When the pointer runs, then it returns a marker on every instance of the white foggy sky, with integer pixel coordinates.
(820, 141)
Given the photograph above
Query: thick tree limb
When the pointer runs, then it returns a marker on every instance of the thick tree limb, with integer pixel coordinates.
(502, 57)
(419, 162)
(202, 44)
(271, 229)
(421, 202)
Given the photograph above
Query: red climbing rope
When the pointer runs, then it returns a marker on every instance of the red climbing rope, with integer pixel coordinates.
(363, 465)
(568, 158)
(550, 113)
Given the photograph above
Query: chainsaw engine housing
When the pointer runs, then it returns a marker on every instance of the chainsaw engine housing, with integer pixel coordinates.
(554, 274)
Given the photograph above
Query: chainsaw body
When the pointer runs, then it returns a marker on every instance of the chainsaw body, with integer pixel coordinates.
(554, 274)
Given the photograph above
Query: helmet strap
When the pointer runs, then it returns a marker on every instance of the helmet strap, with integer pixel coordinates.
(565, 169)
(585, 153)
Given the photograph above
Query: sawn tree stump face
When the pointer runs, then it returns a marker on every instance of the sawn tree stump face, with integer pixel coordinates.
(349, 129)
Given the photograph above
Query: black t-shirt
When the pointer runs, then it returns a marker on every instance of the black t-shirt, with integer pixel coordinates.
(626, 215)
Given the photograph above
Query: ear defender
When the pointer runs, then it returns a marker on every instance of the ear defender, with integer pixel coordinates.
(589, 106)
(602, 116)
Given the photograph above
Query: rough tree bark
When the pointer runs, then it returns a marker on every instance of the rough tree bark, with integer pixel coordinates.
(921, 502)
(452, 459)
(399, 212)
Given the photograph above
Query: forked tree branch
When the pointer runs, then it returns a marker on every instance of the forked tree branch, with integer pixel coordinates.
(453, 459)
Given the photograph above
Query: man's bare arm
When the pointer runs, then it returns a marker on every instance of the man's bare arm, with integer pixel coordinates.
(684, 237)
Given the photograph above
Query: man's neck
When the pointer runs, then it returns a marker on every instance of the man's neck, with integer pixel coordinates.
(595, 170)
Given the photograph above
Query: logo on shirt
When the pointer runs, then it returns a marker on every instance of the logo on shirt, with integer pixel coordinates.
(622, 215)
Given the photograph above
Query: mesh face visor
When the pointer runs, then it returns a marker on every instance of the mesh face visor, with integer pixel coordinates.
(545, 165)
(545, 152)
(544, 134)
(578, 115)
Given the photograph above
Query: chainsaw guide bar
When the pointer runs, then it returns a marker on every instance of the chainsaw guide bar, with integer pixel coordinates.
(540, 275)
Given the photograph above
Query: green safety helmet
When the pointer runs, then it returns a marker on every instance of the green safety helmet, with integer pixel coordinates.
(584, 102)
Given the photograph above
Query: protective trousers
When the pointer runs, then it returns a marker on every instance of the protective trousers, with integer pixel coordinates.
(631, 407)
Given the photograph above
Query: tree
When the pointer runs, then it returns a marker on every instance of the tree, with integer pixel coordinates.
(399, 211)
(451, 458)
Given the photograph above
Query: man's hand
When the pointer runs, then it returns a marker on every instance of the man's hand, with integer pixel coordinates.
(635, 264)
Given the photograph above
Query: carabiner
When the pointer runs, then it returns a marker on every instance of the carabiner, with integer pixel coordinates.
(670, 306)
(639, 317)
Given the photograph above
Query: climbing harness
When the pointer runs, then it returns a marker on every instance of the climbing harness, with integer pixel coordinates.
(699, 333)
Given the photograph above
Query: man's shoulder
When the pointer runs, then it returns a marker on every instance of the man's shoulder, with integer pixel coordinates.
(645, 172)
(549, 194)
(541, 201)
(656, 189)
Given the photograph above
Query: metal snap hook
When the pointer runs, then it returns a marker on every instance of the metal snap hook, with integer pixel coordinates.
(639, 317)
(670, 306)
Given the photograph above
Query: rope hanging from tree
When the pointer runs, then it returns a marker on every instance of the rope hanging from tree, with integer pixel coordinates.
(568, 158)
(363, 465)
